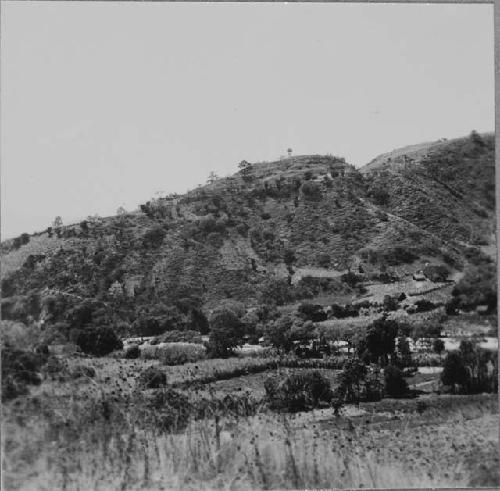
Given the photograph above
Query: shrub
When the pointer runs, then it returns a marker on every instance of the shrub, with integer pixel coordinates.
(98, 341)
(171, 410)
(289, 256)
(242, 229)
(177, 336)
(276, 292)
(395, 384)
(424, 305)
(282, 333)
(132, 352)
(379, 194)
(154, 237)
(478, 286)
(390, 303)
(352, 279)
(152, 378)
(341, 312)
(19, 369)
(311, 191)
(298, 391)
(400, 255)
(323, 260)
(436, 273)
(82, 371)
(312, 312)
(180, 353)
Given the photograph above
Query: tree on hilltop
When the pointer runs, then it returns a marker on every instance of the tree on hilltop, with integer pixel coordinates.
(57, 223)
(212, 177)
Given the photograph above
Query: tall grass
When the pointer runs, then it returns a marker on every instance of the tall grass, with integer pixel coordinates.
(97, 445)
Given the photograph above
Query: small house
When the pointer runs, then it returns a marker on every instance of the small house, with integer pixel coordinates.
(482, 309)
(419, 276)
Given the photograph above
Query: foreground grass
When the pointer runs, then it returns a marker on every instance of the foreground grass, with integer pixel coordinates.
(95, 445)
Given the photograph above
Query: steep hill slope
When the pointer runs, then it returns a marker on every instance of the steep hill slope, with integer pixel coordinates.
(254, 235)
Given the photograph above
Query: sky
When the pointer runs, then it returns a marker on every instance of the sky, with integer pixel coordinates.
(105, 104)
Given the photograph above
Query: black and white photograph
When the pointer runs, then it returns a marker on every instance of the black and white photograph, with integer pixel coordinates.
(248, 246)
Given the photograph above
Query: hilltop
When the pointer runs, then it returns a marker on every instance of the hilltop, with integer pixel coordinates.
(285, 230)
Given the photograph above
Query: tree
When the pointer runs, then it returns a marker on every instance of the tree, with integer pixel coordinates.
(404, 351)
(438, 346)
(245, 170)
(298, 391)
(351, 380)
(476, 138)
(395, 384)
(436, 273)
(212, 177)
(289, 257)
(379, 342)
(454, 372)
(312, 312)
(57, 223)
(478, 286)
(285, 331)
(98, 341)
(390, 303)
(276, 292)
(226, 331)
(116, 290)
(153, 238)
(121, 211)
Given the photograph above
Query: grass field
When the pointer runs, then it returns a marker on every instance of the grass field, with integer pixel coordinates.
(389, 445)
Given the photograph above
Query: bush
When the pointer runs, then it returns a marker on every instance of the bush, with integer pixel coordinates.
(298, 391)
(380, 195)
(312, 312)
(395, 384)
(342, 312)
(132, 352)
(152, 378)
(180, 353)
(81, 371)
(323, 260)
(19, 369)
(400, 255)
(472, 369)
(478, 286)
(424, 305)
(285, 331)
(311, 191)
(352, 279)
(153, 238)
(171, 410)
(359, 382)
(98, 341)
(436, 273)
(177, 336)
(390, 303)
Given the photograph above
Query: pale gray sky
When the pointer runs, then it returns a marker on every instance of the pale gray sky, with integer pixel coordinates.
(103, 104)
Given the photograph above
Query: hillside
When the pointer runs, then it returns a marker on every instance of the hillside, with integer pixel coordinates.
(262, 234)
